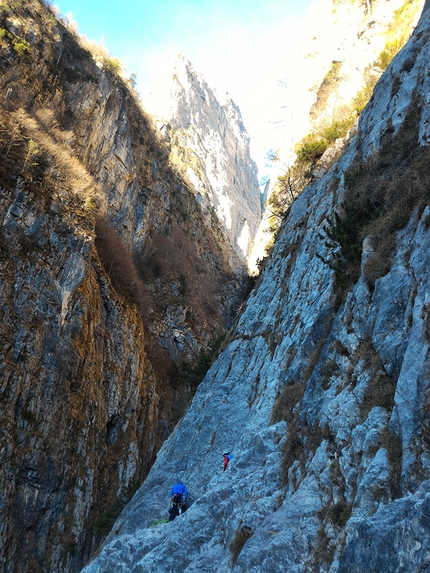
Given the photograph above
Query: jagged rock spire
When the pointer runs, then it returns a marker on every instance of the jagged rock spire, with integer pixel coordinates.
(210, 142)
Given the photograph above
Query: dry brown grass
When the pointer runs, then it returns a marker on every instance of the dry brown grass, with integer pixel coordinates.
(287, 407)
(118, 263)
(240, 538)
(290, 396)
(301, 438)
(395, 182)
(180, 260)
(39, 149)
(381, 387)
(302, 442)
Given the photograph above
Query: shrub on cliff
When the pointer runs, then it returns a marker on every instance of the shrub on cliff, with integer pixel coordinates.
(117, 261)
(37, 147)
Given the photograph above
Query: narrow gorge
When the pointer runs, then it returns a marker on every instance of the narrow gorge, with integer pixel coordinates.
(130, 357)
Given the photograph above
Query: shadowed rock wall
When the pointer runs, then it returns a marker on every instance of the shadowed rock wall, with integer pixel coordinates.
(114, 288)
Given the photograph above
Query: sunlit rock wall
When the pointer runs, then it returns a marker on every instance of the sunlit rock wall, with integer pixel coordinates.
(210, 143)
(330, 73)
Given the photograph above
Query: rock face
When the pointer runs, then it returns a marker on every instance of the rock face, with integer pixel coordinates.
(344, 48)
(78, 401)
(322, 392)
(209, 142)
(114, 288)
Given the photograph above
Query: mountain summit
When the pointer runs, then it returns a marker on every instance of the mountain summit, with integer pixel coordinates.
(210, 144)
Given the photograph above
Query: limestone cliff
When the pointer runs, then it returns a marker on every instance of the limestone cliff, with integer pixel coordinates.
(114, 289)
(210, 144)
(344, 48)
(322, 393)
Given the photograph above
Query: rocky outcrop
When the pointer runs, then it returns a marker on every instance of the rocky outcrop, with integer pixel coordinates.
(114, 289)
(322, 392)
(210, 144)
(343, 49)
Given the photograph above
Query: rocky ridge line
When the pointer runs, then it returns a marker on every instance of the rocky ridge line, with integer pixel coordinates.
(209, 143)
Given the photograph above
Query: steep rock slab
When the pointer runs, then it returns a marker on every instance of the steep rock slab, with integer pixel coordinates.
(322, 393)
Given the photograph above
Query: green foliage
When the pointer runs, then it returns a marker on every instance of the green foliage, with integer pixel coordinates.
(352, 175)
(381, 196)
(398, 33)
(388, 53)
(343, 232)
(311, 148)
(308, 152)
(22, 48)
(112, 65)
(337, 129)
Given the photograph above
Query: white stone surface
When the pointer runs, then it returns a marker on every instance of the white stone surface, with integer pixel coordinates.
(207, 128)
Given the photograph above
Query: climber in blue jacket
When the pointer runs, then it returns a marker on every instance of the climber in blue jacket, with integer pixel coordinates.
(178, 498)
(179, 489)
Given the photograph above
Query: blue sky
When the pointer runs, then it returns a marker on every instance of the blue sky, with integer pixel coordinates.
(240, 46)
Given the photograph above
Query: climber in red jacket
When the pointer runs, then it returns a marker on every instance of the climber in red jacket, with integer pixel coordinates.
(227, 457)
